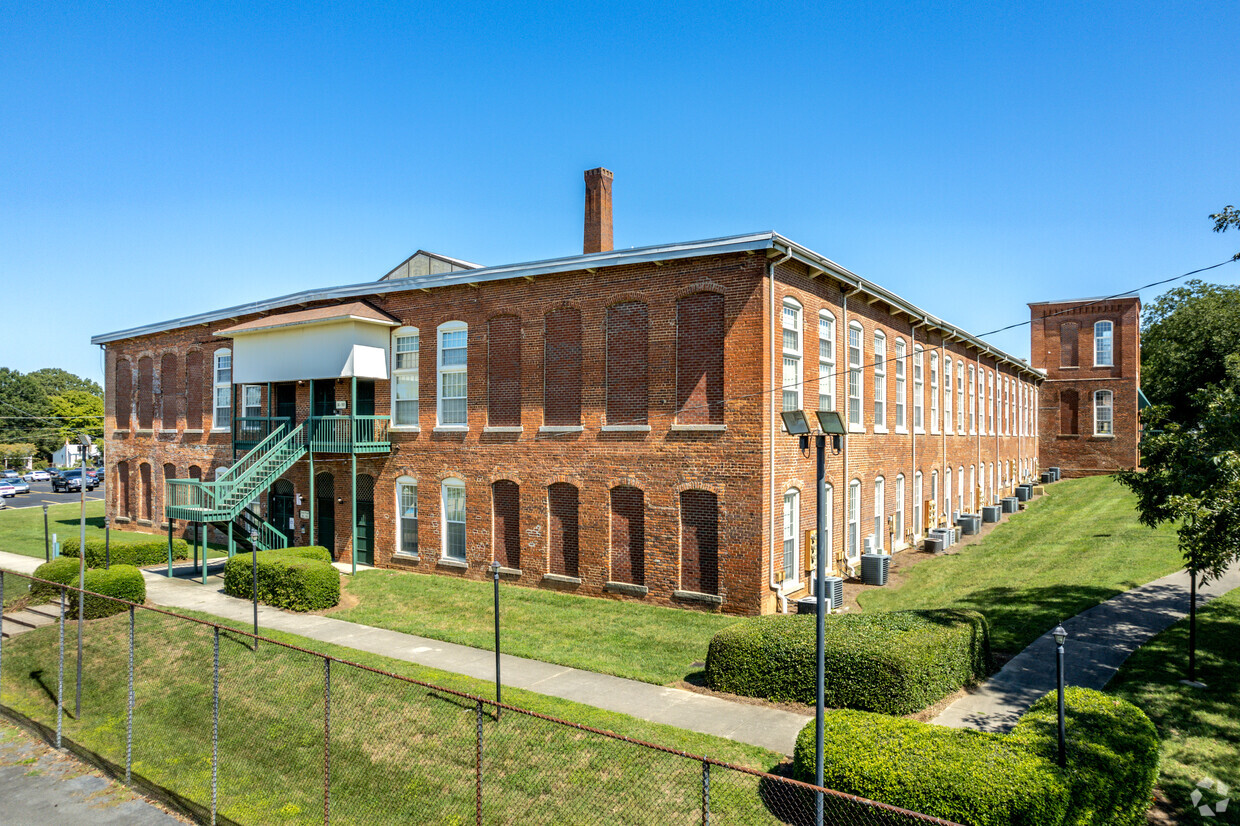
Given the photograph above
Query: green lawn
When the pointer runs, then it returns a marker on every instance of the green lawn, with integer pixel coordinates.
(1199, 727)
(641, 642)
(1076, 546)
(399, 753)
(21, 529)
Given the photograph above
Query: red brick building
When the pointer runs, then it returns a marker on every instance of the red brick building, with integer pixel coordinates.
(1090, 350)
(606, 423)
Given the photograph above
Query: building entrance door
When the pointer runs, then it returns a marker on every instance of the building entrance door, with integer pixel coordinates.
(280, 507)
(325, 511)
(365, 519)
(286, 402)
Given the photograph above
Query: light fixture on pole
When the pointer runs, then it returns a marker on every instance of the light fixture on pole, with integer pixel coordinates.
(1060, 636)
(830, 423)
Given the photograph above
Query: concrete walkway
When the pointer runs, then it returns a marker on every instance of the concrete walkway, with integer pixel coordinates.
(1099, 640)
(758, 725)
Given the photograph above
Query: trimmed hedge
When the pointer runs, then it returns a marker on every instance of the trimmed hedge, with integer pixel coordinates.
(984, 779)
(299, 579)
(121, 581)
(139, 554)
(895, 662)
(1113, 754)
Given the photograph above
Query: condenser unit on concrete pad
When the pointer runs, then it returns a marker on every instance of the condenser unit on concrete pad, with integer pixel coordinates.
(874, 568)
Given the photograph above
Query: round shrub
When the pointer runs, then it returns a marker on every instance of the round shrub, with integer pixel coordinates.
(120, 581)
(893, 662)
(299, 579)
(152, 552)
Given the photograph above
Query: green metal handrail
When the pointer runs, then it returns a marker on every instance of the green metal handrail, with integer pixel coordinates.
(247, 461)
(190, 493)
(371, 429)
(291, 444)
(331, 434)
(252, 430)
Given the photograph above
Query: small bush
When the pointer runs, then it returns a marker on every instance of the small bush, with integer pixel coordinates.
(152, 552)
(299, 579)
(893, 662)
(120, 581)
(1112, 754)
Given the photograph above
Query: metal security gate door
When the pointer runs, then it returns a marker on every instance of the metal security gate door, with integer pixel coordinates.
(325, 511)
(365, 519)
(280, 507)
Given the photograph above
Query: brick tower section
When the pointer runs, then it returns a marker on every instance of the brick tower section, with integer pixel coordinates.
(598, 211)
(1085, 359)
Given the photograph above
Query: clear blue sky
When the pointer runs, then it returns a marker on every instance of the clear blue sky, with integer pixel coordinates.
(157, 160)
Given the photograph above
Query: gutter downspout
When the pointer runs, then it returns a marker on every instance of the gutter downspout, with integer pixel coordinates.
(771, 264)
(848, 566)
(912, 430)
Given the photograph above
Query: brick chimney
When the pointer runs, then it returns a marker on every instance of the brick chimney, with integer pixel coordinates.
(598, 211)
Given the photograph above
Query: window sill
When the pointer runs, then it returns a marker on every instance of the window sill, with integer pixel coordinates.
(694, 596)
(144, 433)
(515, 573)
(448, 562)
(1073, 367)
(404, 428)
(856, 428)
(878, 428)
(451, 428)
(561, 428)
(405, 557)
(120, 432)
(919, 431)
(1103, 436)
(902, 431)
(166, 432)
(121, 520)
(1068, 436)
(221, 430)
(626, 588)
(788, 586)
(699, 428)
(503, 429)
(197, 431)
(146, 523)
(561, 579)
(625, 428)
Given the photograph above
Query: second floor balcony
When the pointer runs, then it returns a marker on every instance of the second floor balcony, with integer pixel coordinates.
(327, 434)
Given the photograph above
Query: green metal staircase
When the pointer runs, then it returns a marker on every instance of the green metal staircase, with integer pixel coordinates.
(224, 499)
(251, 532)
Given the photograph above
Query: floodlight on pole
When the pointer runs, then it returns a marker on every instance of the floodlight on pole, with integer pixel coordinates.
(830, 423)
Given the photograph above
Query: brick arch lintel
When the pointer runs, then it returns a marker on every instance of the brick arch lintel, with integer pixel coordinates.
(564, 478)
(700, 286)
(505, 477)
(613, 482)
(629, 297)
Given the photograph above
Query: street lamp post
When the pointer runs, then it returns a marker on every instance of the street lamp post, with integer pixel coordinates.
(1060, 636)
(495, 566)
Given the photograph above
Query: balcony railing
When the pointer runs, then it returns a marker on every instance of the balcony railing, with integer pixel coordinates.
(250, 431)
(328, 434)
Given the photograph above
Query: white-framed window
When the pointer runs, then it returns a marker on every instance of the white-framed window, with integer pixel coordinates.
(453, 374)
(453, 493)
(972, 400)
(792, 533)
(1007, 405)
(221, 412)
(1103, 401)
(947, 496)
(1104, 344)
(897, 516)
(990, 402)
(880, 513)
(252, 400)
(973, 503)
(854, 520)
(826, 361)
(960, 489)
(934, 392)
(901, 383)
(405, 344)
(407, 513)
(934, 489)
(992, 484)
(917, 513)
(880, 381)
(948, 419)
(823, 544)
(855, 355)
(960, 412)
(791, 316)
(919, 389)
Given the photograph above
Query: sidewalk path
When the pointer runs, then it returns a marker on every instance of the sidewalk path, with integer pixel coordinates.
(757, 725)
(1099, 640)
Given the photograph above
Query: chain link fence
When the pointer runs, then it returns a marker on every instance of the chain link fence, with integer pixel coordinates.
(232, 728)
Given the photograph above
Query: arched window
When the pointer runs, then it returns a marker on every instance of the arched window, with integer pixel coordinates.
(919, 389)
(791, 321)
(880, 381)
(897, 516)
(504, 371)
(934, 518)
(628, 535)
(699, 358)
(960, 412)
(407, 513)
(195, 472)
(972, 399)
(146, 393)
(990, 395)
(826, 361)
(973, 497)
(562, 368)
(169, 392)
(855, 355)
(853, 548)
(1069, 404)
(948, 420)
(406, 342)
(918, 513)
(144, 483)
(506, 522)
(124, 394)
(453, 496)
(221, 395)
(934, 392)
(193, 390)
(699, 541)
(563, 533)
(1103, 400)
(960, 489)
(789, 564)
(628, 334)
(1104, 351)
(453, 358)
(901, 384)
(947, 496)
(880, 514)
(1069, 332)
(122, 490)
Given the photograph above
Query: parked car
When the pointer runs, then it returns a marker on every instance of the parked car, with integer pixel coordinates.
(7, 491)
(19, 484)
(71, 480)
(38, 476)
(54, 472)
(10, 474)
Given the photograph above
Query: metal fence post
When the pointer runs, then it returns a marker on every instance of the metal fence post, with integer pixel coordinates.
(215, 725)
(705, 793)
(129, 710)
(60, 672)
(327, 741)
(478, 765)
(1, 639)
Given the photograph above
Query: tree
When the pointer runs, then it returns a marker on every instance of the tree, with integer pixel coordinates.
(23, 404)
(1189, 333)
(56, 381)
(78, 411)
(16, 453)
(1229, 217)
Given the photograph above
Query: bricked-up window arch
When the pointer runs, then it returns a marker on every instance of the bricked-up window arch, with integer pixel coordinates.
(144, 485)
(504, 372)
(1069, 412)
(195, 472)
(193, 390)
(699, 358)
(699, 541)
(506, 522)
(122, 490)
(628, 337)
(562, 509)
(169, 391)
(628, 535)
(1069, 334)
(124, 393)
(562, 367)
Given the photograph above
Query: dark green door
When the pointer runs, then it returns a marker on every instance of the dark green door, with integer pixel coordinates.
(286, 402)
(365, 398)
(325, 397)
(325, 511)
(280, 507)
(365, 519)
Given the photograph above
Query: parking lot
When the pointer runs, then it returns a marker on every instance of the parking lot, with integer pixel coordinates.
(41, 494)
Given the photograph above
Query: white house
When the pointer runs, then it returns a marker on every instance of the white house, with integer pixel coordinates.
(71, 454)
